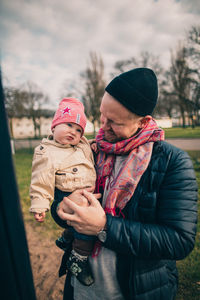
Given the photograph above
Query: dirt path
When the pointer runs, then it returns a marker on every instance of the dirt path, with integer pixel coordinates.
(45, 259)
(185, 144)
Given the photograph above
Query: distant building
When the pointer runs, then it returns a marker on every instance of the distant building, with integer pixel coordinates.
(164, 122)
(22, 128)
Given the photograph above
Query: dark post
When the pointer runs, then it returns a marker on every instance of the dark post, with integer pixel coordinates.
(16, 280)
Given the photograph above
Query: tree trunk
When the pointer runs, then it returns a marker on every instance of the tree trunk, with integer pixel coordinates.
(94, 128)
(35, 127)
(192, 121)
(183, 121)
(11, 127)
(183, 118)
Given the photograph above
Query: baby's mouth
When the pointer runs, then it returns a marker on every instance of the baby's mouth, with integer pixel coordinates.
(69, 138)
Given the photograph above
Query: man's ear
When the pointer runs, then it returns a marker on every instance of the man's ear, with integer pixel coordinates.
(144, 121)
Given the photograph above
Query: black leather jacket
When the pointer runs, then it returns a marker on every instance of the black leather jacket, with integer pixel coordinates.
(159, 226)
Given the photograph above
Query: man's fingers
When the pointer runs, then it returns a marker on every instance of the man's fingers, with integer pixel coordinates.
(91, 198)
(71, 206)
(90, 189)
(65, 216)
(65, 198)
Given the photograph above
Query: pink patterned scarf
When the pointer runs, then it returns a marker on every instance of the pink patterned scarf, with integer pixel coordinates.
(139, 150)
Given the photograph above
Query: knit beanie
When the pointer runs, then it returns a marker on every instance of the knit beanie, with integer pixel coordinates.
(70, 110)
(136, 89)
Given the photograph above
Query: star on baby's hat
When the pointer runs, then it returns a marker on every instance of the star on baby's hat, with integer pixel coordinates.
(66, 110)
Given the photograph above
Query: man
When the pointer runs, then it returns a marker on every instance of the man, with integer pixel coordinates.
(148, 216)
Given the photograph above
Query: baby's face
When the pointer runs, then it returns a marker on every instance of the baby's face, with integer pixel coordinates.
(67, 133)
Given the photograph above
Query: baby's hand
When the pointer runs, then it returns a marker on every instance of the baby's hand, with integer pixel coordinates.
(40, 216)
(94, 147)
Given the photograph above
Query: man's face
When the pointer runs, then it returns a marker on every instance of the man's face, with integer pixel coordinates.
(118, 122)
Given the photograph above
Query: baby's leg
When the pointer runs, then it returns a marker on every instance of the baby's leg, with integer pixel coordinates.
(65, 241)
(83, 247)
(78, 263)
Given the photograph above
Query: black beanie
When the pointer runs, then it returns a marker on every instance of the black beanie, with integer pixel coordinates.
(136, 89)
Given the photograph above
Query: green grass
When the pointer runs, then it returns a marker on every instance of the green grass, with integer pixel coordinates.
(189, 268)
(177, 132)
(89, 136)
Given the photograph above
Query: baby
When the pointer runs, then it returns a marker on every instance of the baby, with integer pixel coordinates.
(63, 163)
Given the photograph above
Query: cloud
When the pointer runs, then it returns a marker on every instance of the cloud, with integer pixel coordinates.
(192, 6)
(48, 41)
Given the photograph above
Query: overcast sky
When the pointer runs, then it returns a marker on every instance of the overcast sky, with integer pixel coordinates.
(48, 41)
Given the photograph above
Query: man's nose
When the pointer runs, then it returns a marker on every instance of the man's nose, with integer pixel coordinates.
(105, 123)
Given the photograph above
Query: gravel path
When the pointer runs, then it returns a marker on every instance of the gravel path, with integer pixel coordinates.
(186, 144)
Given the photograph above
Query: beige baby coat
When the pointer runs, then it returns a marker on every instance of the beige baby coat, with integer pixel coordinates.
(65, 167)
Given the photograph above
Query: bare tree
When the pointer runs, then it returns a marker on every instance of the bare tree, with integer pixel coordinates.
(94, 88)
(15, 99)
(26, 101)
(166, 102)
(35, 99)
(181, 80)
(144, 60)
(193, 39)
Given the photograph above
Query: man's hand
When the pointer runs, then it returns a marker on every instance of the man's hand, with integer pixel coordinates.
(40, 216)
(88, 219)
(78, 198)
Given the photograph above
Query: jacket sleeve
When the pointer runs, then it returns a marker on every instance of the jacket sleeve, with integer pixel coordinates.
(42, 181)
(172, 235)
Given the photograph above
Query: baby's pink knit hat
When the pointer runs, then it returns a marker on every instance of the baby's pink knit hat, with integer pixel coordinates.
(70, 110)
